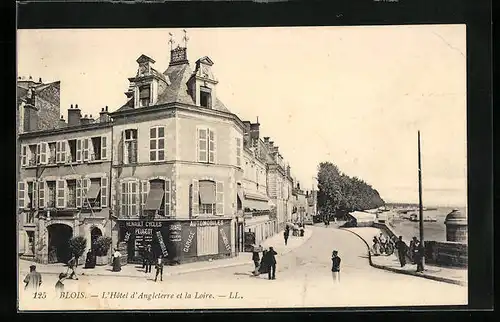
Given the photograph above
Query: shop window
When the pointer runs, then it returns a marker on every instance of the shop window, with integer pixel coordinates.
(130, 146)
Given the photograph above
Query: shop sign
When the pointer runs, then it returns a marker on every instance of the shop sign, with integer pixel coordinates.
(146, 224)
(204, 223)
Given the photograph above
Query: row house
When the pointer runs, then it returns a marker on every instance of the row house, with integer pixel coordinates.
(300, 207)
(175, 163)
(63, 187)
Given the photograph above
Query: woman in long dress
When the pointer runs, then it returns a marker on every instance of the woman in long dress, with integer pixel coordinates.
(116, 261)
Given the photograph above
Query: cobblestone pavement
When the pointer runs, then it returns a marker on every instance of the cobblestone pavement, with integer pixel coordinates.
(303, 279)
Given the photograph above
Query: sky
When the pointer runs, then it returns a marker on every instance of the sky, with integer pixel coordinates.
(354, 96)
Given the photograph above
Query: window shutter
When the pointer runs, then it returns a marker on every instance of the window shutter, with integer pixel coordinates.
(202, 145)
(85, 188)
(24, 155)
(21, 198)
(41, 194)
(34, 202)
(167, 197)
(37, 156)
(124, 199)
(60, 198)
(219, 195)
(78, 150)
(44, 147)
(58, 151)
(211, 146)
(104, 148)
(104, 192)
(79, 193)
(195, 198)
(122, 150)
(144, 191)
(134, 196)
(63, 148)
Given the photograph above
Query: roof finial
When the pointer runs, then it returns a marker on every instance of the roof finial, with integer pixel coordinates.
(185, 38)
(171, 41)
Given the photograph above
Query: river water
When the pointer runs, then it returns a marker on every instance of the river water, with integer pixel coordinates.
(435, 231)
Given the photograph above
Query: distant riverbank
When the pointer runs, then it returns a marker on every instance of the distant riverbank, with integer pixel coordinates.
(432, 230)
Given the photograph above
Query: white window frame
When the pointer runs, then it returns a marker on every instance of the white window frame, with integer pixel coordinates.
(104, 192)
(24, 155)
(157, 139)
(205, 145)
(128, 206)
(61, 185)
(104, 147)
(126, 156)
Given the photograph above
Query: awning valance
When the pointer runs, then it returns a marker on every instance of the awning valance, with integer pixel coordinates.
(95, 188)
(256, 196)
(207, 192)
(155, 198)
(255, 204)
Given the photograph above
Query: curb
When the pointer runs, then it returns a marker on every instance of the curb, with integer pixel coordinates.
(394, 270)
(193, 270)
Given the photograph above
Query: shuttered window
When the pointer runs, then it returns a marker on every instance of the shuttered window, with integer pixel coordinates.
(79, 150)
(104, 192)
(21, 198)
(219, 198)
(144, 192)
(211, 146)
(207, 240)
(24, 155)
(167, 199)
(206, 146)
(104, 148)
(85, 149)
(41, 194)
(79, 193)
(123, 199)
(195, 198)
(130, 200)
(61, 193)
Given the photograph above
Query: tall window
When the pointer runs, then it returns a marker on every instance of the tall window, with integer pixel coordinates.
(129, 198)
(206, 145)
(158, 197)
(31, 200)
(61, 148)
(157, 143)
(52, 153)
(144, 95)
(130, 146)
(205, 97)
(32, 154)
(72, 149)
(71, 200)
(238, 152)
(207, 199)
(96, 145)
(51, 194)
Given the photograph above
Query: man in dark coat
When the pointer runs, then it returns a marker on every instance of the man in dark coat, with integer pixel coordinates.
(285, 235)
(256, 257)
(419, 256)
(335, 266)
(402, 250)
(159, 268)
(148, 254)
(271, 261)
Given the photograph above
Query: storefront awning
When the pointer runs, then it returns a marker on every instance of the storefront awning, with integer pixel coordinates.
(255, 204)
(256, 196)
(95, 188)
(155, 198)
(207, 192)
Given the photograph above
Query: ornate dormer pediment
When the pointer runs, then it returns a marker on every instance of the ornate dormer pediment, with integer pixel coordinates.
(144, 66)
(203, 70)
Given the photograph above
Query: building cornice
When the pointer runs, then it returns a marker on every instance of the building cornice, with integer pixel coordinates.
(63, 130)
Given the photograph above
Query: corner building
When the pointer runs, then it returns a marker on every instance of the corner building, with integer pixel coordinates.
(174, 164)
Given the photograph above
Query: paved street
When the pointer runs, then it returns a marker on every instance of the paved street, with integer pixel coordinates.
(303, 280)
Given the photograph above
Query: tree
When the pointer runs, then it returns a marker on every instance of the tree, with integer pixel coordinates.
(77, 246)
(102, 245)
(339, 194)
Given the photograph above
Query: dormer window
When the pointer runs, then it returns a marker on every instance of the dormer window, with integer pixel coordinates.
(144, 95)
(205, 97)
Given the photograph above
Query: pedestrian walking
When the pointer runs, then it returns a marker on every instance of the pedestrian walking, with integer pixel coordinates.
(256, 256)
(419, 256)
(159, 268)
(33, 280)
(117, 266)
(376, 246)
(336, 266)
(412, 249)
(286, 234)
(402, 250)
(59, 284)
(271, 261)
(90, 260)
(149, 259)
(72, 266)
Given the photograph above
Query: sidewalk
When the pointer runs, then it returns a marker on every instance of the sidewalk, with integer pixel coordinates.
(136, 270)
(391, 263)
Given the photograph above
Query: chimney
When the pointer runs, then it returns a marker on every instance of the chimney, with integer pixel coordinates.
(104, 115)
(62, 122)
(298, 185)
(266, 139)
(85, 120)
(40, 80)
(74, 115)
(30, 118)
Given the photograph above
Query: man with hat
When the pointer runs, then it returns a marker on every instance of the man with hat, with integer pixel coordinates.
(33, 280)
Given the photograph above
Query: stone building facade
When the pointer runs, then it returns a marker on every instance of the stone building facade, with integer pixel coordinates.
(63, 186)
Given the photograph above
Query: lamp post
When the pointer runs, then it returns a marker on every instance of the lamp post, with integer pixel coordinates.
(420, 207)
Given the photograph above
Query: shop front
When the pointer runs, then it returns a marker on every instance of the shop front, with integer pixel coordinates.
(179, 241)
